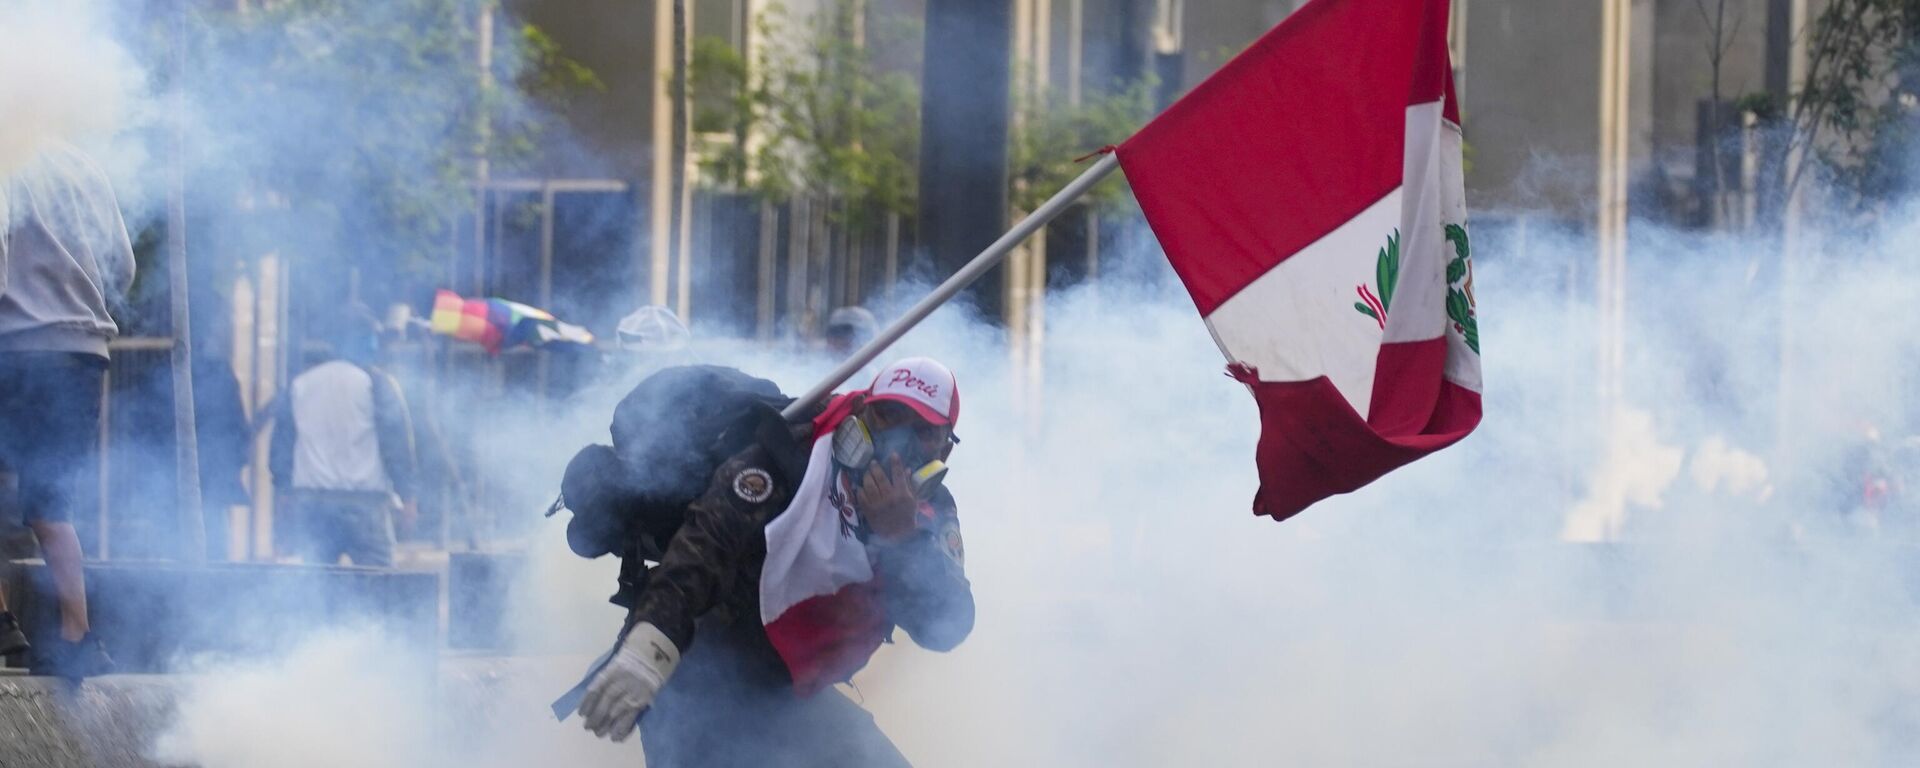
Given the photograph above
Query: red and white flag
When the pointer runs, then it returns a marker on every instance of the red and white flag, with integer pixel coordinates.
(818, 599)
(819, 596)
(1310, 197)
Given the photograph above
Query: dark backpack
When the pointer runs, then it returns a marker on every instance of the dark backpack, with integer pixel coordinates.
(670, 434)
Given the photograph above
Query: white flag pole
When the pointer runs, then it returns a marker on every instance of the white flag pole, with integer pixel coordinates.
(987, 259)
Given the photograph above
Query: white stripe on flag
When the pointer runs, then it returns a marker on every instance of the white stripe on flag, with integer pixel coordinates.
(807, 554)
(1420, 301)
(1463, 362)
(1298, 322)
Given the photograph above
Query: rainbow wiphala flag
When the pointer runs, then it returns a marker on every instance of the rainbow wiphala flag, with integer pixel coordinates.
(498, 324)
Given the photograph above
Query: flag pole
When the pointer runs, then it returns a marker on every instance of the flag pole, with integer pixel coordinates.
(987, 259)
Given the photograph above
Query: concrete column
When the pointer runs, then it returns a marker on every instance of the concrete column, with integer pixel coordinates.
(1780, 42)
(963, 146)
(1026, 272)
(660, 192)
(1610, 227)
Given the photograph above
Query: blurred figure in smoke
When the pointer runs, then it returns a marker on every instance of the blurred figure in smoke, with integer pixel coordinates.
(64, 259)
(652, 330)
(753, 694)
(849, 329)
(441, 489)
(224, 435)
(142, 407)
(342, 453)
(1864, 488)
(649, 339)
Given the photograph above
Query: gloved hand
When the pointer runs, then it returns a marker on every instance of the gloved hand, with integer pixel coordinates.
(627, 684)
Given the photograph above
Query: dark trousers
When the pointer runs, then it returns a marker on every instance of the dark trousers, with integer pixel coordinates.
(50, 431)
(722, 709)
(329, 524)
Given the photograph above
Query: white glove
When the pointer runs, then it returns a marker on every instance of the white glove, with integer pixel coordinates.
(627, 684)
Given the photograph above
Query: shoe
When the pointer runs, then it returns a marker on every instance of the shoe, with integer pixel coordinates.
(74, 661)
(12, 640)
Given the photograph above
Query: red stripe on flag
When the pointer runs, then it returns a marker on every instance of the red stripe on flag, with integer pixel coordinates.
(824, 640)
(1432, 65)
(1406, 381)
(1291, 141)
(1305, 423)
(1294, 137)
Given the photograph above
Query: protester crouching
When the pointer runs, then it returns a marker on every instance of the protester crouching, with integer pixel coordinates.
(808, 548)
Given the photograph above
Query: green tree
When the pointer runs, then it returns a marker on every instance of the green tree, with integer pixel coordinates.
(364, 117)
(722, 104)
(832, 122)
(1852, 121)
(1049, 133)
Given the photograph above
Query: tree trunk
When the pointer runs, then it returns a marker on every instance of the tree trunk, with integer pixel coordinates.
(964, 119)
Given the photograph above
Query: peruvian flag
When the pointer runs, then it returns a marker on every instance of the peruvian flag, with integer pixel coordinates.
(819, 599)
(1309, 195)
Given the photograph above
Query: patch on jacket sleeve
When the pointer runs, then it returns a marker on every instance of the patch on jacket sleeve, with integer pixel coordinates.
(753, 485)
(951, 543)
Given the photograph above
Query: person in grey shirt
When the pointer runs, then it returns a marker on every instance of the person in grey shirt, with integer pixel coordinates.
(64, 259)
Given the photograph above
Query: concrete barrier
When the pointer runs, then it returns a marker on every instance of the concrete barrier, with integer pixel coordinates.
(154, 615)
(108, 722)
(480, 706)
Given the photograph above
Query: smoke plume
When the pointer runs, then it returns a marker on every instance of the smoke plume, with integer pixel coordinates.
(1689, 576)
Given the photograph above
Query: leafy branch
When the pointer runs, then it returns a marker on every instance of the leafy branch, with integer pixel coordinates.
(1853, 109)
(1049, 133)
(364, 118)
(827, 120)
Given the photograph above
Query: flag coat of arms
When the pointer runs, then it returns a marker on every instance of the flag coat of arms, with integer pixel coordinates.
(1309, 195)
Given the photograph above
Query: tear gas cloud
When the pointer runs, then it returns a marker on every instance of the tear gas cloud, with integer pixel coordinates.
(66, 79)
(1132, 612)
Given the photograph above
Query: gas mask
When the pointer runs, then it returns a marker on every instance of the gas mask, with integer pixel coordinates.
(857, 448)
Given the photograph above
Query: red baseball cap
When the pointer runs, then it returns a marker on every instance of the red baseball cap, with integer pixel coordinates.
(923, 384)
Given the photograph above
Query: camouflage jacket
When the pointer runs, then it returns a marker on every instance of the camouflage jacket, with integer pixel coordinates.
(710, 572)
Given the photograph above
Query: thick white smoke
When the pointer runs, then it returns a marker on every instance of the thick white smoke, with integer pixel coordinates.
(64, 78)
(1132, 611)
(352, 698)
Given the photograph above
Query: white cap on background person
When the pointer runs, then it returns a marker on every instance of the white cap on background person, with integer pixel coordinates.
(652, 328)
(854, 323)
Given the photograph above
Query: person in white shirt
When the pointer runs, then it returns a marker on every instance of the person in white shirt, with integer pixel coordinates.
(343, 457)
